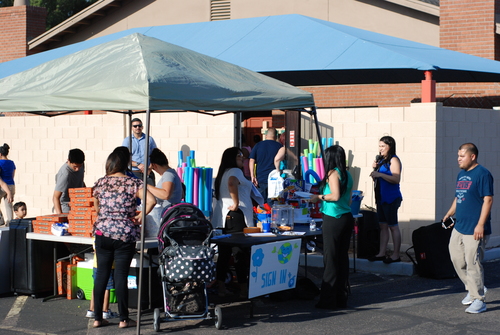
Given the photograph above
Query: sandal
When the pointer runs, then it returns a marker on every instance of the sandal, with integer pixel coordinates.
(101, 323)
(127, 323)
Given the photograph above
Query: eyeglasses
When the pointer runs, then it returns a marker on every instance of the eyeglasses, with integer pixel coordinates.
(240, 155)
(137, 125)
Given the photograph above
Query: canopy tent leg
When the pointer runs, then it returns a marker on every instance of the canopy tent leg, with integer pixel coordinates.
(143, 214)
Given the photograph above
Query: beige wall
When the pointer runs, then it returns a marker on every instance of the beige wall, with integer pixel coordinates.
(40, 145)
(427, 138)
(384, 17)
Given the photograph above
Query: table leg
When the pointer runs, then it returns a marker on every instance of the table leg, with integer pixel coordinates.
(55, 295)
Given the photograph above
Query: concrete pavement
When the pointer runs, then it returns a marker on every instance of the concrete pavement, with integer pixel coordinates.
(389, 304)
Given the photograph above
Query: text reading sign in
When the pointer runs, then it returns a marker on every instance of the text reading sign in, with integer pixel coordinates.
(273, 267)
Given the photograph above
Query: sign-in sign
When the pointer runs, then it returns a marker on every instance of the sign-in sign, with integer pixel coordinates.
(273, 267)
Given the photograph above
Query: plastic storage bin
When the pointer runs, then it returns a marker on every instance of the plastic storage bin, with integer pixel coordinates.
(84, 280)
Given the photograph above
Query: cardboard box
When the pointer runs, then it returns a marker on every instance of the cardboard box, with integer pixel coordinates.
(81, 210)
(62, 277)
(80, 190)
(87, 203)
(42, 229)
(53, 218)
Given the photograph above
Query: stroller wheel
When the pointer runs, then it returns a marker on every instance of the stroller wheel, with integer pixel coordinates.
(218, 317)
(156, 320)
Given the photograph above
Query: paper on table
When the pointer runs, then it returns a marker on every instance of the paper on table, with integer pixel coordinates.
(303, 194)
(293, 233)
(260, 234)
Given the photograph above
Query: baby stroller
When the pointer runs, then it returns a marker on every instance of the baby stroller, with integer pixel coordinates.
(185, 265)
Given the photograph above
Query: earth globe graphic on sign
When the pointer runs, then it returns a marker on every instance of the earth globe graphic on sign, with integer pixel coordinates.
(285, 253)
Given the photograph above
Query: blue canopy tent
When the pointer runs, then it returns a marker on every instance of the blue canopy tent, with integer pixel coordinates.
(303, 51)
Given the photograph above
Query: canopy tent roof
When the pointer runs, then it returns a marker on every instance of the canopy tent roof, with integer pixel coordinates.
(138, 72)
(304, 51)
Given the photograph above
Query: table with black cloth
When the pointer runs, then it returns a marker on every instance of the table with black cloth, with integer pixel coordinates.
(243, 241)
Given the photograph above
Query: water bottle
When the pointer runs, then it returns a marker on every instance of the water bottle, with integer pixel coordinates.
(312, 225)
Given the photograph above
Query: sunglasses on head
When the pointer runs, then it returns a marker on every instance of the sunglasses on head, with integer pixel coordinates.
(137, 125)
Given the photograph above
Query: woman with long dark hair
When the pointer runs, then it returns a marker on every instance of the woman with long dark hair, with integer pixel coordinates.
(387, 176)
(338, 222)
(232, 212)
(117, 229)
(7, 185)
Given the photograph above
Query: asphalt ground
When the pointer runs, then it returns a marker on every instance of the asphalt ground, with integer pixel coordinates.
(387, 304)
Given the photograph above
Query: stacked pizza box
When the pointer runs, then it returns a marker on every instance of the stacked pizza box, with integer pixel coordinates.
(43, 224)
(82, 214)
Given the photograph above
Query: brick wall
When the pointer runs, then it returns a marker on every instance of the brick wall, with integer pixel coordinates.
(476, 95)
(468, 26)
(19, 25)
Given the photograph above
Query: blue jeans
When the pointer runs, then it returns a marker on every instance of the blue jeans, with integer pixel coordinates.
(107, 251)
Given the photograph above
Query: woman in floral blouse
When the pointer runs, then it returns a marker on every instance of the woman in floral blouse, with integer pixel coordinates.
(117, 228)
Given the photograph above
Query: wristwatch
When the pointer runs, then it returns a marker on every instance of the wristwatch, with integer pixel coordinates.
(323, 197)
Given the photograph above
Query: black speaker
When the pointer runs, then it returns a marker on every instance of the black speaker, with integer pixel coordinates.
(31, 261)
(430, 244)
(368, 234)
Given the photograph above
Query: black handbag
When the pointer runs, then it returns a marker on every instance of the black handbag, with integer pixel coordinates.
(189, 262)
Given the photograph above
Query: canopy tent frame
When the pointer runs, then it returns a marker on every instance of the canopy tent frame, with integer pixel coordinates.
(154, 75)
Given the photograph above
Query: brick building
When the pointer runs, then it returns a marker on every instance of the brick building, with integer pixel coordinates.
(356, 115)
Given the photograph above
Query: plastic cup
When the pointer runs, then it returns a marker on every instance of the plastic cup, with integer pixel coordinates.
(266, 227)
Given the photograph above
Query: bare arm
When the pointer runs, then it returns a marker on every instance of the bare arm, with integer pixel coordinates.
(485, 212)
(6, 189)
(451, 211)
(232, 184)
(251, 165)
(148, 205)
(280, 156)
(395, 170)
(334, 184)
(163, 193)
(56, 199)
(96, 205)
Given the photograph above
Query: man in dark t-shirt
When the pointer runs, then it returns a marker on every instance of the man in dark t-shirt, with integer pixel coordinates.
(472, 207)
(263, 155)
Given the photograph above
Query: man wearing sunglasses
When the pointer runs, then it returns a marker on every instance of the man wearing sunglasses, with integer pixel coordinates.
(138, 141)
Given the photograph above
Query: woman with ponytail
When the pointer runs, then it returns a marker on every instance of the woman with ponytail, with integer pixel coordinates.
(338, 223)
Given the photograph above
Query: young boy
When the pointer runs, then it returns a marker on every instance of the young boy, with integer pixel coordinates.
(20, 210)
(107, 313)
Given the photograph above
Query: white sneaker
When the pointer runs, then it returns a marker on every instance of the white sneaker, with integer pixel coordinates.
(476, 307)
(109, 314)
(90, 314)
(468, 300)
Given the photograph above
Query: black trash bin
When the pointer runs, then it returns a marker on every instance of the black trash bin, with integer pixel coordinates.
(368, 234)
(31, 261)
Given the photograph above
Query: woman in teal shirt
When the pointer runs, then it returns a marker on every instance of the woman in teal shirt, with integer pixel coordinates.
(335, 189)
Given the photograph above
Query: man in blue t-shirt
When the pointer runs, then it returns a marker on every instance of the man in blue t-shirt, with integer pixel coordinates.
(263, 154)
(472, 207)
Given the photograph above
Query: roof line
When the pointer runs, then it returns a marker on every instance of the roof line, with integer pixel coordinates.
(418, 5)
(68, 26)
